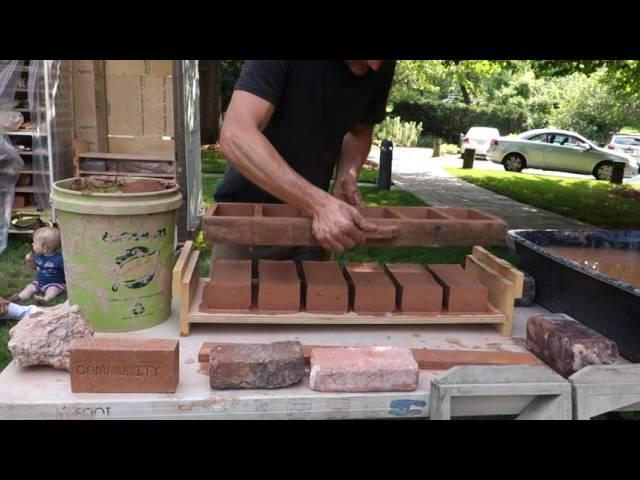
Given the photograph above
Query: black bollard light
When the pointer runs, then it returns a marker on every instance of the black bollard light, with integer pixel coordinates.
(386, 158)
(468, 156)
(618, 172)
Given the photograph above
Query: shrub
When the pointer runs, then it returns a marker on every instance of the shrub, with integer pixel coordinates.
(402, 134)
(449, 120)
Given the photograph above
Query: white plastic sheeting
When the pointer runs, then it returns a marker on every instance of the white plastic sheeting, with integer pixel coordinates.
(10, 161)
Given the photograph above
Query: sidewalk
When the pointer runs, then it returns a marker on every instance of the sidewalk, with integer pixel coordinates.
(415, 171)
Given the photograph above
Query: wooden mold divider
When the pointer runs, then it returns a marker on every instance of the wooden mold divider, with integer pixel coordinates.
(185, 282)
(501, 278)
(504, 281)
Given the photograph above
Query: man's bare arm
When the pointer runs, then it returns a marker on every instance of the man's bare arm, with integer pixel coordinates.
(355, 149)
(336, 225)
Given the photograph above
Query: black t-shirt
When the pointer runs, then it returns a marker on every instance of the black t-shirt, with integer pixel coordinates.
(317, 102)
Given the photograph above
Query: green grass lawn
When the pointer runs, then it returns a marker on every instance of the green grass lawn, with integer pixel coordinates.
(590, 201)
(214, 163)
(368, 176)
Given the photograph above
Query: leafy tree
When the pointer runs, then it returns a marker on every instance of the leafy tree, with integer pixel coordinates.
(622, 75)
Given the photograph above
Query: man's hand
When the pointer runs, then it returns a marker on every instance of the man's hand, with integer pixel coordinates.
(339, 226)
(355, 148)
(4, 307)
(346, 189)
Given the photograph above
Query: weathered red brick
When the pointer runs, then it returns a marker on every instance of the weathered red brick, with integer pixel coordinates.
(124, 365)
(566, 345)
(241, 366)
(363, 369)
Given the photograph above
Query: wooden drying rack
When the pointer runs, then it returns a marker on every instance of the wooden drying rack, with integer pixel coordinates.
(504, 282)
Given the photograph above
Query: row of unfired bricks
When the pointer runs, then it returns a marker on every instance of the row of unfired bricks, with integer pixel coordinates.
(325, 287)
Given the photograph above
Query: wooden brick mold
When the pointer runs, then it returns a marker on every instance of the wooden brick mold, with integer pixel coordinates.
(278, 224)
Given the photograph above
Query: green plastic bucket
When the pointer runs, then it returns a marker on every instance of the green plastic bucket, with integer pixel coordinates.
(118, 248)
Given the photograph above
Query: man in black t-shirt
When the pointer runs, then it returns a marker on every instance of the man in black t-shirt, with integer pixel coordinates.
(289, 123)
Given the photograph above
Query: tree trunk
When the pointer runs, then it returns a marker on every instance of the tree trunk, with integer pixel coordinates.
(210, 93)
(465, 94)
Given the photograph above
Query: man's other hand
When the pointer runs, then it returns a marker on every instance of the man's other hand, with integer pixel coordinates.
(346, 189)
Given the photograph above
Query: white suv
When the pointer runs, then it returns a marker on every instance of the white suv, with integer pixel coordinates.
(479, 139)
(628, 143)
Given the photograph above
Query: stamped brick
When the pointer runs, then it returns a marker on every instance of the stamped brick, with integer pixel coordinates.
(124, 365)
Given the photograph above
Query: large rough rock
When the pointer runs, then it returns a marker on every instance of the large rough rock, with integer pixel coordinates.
(566, 345)
(44, 338)
(240, 366)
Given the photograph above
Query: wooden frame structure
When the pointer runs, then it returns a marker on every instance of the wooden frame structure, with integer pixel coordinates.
(501, 278)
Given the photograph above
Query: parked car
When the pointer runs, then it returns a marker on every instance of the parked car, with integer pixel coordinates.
(479, 139)
(452, 99)
(559, 150)
(628, 143)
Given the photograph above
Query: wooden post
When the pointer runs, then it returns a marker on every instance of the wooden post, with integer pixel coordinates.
(210, 84)
(437, 143)
(102, 141)
(79, 146)
(181, 158)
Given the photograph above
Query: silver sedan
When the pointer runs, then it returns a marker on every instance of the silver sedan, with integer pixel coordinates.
(559, 150)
